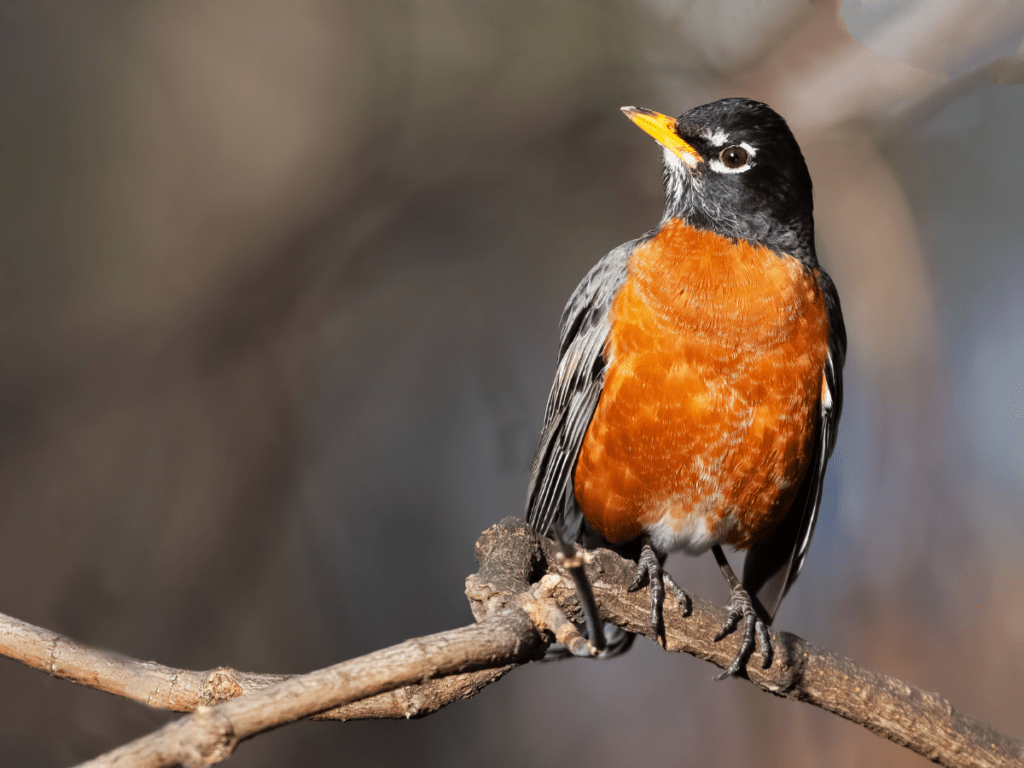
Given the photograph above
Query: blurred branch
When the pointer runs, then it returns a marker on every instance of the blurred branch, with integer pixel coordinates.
(183, 690)
(211, 734)
(522, 599)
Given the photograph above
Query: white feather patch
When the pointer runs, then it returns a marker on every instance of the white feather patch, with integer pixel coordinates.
(826, 398)
(694, 531)
(718, 139)
(720, 167)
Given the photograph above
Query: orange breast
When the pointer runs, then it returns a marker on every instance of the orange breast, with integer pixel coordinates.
(715, 369)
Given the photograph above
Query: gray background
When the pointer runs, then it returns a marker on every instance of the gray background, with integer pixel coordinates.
(279, 291)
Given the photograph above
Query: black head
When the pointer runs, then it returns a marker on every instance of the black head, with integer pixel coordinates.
(733, 167)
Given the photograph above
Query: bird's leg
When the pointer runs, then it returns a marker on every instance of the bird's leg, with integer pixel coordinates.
(741, 607)
(648, 568)
(574, 564)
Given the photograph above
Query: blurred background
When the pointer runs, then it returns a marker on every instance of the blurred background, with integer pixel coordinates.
(279, 293)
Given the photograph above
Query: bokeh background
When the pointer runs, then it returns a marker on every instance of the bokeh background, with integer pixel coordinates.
(279, 290)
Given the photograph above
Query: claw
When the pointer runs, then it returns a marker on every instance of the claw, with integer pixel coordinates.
(742, 607)
(678, 593)
(648, 568)
(755, 632)
(729, 625)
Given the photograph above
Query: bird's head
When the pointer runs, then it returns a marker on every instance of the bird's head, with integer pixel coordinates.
(733, 167)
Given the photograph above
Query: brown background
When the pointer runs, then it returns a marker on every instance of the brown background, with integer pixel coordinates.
(279, 286)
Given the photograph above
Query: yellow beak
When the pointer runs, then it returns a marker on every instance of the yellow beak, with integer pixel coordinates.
(663, 129)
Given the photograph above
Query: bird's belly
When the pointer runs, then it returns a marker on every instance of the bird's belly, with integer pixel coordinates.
(695, 455)
(702, 434)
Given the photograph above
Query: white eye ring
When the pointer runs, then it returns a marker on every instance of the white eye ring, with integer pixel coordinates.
(720, 167)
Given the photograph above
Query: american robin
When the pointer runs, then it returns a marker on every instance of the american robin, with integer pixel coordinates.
(699, 380)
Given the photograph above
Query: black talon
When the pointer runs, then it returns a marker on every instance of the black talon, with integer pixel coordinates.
(648, 568)
(678, 593)
(728, 626)
(755, 631)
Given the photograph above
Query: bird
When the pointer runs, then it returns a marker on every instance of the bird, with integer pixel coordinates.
(699, 382)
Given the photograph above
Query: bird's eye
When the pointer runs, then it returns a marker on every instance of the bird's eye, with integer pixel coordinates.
(734, 157)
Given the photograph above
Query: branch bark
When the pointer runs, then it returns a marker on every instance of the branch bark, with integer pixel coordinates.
(522, 599)
(184, 690)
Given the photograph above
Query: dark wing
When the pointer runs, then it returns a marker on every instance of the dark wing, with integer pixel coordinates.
(773, 564)
(574, 395)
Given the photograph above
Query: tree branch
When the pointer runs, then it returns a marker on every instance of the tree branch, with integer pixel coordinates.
(522, 599)
(211, 734)
(183, 690)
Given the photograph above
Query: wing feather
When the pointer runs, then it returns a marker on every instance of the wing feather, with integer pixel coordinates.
(575, 393)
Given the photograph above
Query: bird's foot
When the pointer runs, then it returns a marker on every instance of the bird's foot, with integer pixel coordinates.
(648, 568)
(741, 607)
